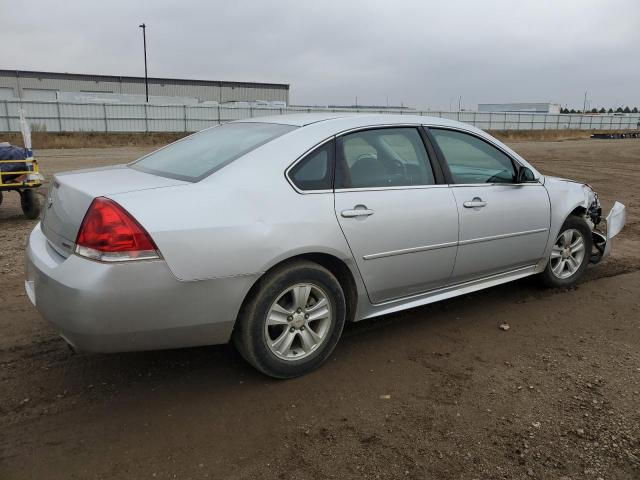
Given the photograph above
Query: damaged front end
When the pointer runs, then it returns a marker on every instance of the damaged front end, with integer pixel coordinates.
(615, 220)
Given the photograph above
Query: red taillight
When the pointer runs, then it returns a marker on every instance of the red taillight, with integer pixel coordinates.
(109, 233)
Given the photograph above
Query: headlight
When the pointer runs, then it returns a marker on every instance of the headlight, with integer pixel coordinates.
(594, 211)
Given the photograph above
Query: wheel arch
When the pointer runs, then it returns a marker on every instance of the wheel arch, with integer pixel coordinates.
(578, 209)
(578, 212)
(335, 265)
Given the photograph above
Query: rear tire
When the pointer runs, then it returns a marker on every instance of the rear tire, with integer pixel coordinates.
(570, 254)
(30, 204)
(292, 321)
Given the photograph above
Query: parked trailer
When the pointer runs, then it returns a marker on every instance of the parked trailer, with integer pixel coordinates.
(19, 172)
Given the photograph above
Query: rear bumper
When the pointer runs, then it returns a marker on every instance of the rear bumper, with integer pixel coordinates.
(141, 305)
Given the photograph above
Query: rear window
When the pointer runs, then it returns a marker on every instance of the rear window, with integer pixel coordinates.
(199, 155)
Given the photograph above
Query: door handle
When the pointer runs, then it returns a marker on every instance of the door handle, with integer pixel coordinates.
(356, 212)
(477, 202)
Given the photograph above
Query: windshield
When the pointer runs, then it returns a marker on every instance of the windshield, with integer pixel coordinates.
(201, 154)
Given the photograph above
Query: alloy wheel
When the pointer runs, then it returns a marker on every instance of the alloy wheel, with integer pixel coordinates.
(298, 321)
(567, 253)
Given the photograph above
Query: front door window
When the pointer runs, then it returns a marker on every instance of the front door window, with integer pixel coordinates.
(472, 160)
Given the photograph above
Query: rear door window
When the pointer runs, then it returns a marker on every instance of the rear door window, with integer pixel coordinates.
(384, 157)
(198, 156)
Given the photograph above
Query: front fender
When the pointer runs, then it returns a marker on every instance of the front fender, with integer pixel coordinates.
(565, 197)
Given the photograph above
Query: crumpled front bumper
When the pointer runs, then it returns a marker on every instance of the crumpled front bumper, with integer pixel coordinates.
(616, 220)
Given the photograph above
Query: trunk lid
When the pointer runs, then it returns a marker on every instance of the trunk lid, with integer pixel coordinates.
(71, 193)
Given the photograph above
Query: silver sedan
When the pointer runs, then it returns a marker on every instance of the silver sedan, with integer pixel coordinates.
(274, 232)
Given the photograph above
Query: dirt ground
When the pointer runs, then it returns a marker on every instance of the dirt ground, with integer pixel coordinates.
(438, 392)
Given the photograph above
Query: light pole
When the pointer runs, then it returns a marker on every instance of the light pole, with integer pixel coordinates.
(146, 78)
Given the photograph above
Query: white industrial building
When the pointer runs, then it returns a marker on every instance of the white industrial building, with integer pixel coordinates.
(80, 88)
(520, 107)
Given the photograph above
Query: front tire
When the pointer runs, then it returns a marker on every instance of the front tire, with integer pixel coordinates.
(293, 320)
(570, 254)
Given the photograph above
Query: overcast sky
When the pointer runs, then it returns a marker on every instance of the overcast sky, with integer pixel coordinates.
(419, 52)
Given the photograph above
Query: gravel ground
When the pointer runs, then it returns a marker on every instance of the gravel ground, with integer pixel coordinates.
(438, 392)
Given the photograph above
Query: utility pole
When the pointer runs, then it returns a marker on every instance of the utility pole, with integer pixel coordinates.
(460, 103)
(146, 78)
(584, 105)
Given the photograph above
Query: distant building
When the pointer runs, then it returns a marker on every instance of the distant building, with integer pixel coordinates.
(520, 107)
(51, 86)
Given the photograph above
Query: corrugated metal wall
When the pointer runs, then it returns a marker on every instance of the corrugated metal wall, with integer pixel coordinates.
(37, 85)
(96, 117)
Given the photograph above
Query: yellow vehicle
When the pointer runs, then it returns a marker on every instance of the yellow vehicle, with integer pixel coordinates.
(22, 176)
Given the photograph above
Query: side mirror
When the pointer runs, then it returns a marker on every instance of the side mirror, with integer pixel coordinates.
(525, 175)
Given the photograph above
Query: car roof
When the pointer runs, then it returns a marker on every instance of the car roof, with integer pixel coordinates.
(361, 119)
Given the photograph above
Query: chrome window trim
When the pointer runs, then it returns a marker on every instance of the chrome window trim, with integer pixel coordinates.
(342, 133)
(528, 184)
(438, 185)
(405, 187)
(305, 192)
(436, 246)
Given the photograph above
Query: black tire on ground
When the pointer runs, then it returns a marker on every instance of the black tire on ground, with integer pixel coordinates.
(249, 333)
(0, 198)
(30, 204)
(551, 280)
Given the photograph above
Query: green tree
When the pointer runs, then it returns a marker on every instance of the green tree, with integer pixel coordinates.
(610, 110)
(594, 110)
(627, 110)
(635, 110)
(619, 110)
(572, 111)
(602, 110)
